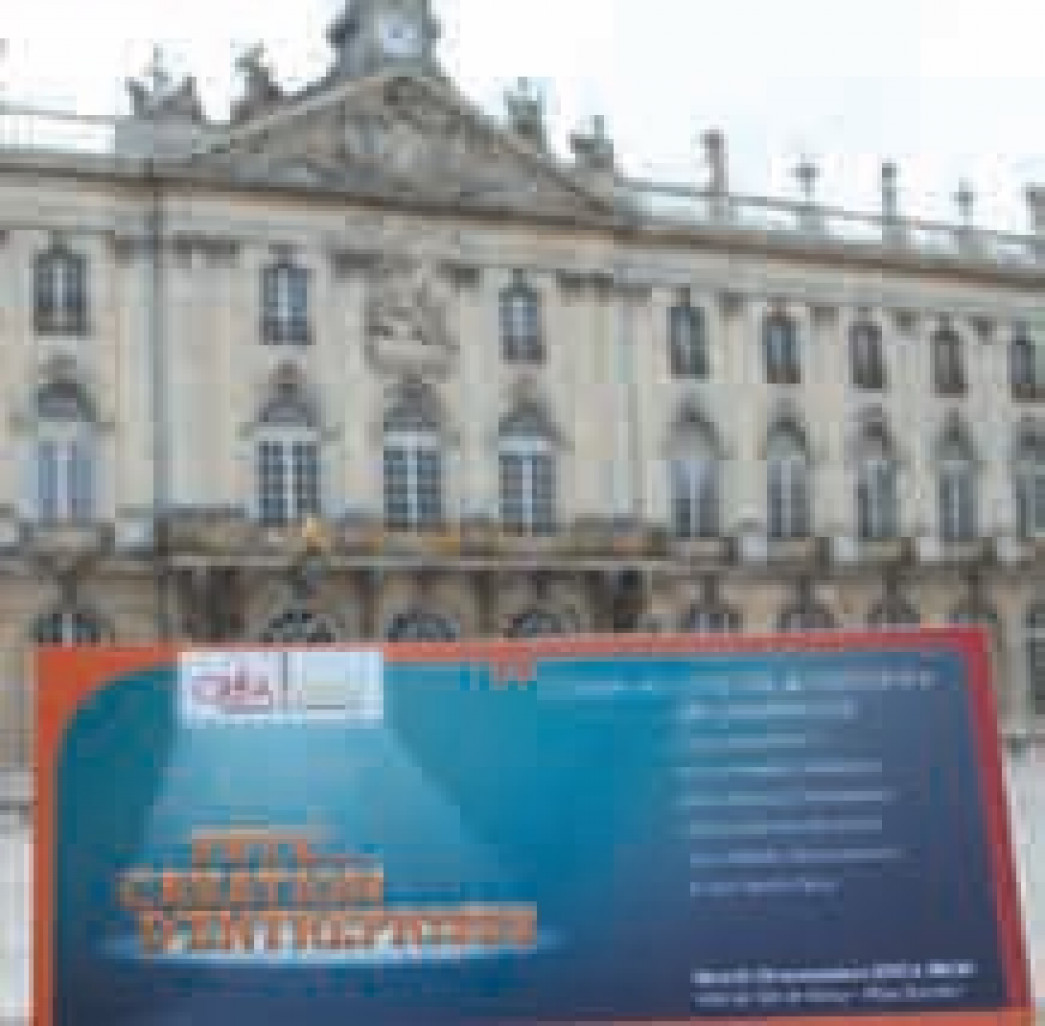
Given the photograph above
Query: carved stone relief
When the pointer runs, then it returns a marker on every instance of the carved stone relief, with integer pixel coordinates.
(406, 316)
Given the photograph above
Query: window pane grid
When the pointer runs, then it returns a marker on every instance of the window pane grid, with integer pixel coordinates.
(528, 492)
(306, 480)
(272, 484)
(413, 487)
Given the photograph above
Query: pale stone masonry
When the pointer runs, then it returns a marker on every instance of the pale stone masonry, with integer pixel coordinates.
(460, 358)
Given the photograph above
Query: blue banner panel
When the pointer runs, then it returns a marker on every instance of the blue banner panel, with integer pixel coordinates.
(335, 837)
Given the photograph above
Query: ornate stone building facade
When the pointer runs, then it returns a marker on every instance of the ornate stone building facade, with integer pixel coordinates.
(365, 362)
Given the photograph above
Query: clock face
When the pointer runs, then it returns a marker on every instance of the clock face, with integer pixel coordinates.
(400, 36)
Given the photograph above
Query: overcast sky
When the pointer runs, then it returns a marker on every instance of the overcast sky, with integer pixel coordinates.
(948, 88)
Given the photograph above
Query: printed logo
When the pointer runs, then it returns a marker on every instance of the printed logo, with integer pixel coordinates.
(288, 686)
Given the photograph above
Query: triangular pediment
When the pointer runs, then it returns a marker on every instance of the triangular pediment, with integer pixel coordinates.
(406, 137)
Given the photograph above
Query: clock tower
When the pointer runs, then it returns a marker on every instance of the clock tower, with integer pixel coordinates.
(372, 36)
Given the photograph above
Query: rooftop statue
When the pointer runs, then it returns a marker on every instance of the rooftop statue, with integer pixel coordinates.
(159, 97)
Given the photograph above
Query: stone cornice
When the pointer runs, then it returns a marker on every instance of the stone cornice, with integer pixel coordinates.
(970, 268)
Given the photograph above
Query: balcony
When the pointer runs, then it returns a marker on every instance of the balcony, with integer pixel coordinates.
(72, 539)
(883, 551)
(699, 551)
(954, 551)
(794, 551)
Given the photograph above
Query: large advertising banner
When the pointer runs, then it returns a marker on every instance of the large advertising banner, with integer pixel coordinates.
(590, 831)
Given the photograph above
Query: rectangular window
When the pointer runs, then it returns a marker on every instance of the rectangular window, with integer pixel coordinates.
(397, 488)
(65, 481)
(81, 482)
(788, 500)
(521, 326)
(285, 305)
(876, 503)
(429, 489)
(272, 492)
(306, 480)
(957, 507)
(695, 499)
(528, 492)
(47, 482)
(60, 294)
(413, 488)
(948, 369)
(688, 342)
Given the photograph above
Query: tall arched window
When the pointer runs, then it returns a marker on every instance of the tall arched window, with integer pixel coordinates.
(60, 282)
(788, 485)
(1029, 484)
(413, 460)
(695, 471)
(688, 343)
(65, 447)
(419, 625)
(780, 349)
(528, 475)
(876, 498)
(866, 359)
(1035, 629)
(948, 361)
(68, 625)
(287, 461)
(956, 489)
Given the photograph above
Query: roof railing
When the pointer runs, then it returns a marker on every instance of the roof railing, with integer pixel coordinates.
(27, 129)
